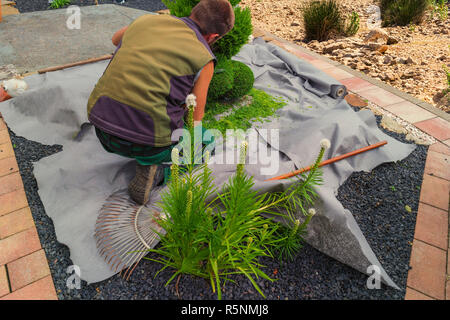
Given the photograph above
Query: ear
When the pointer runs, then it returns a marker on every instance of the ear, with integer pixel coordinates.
(211, 37)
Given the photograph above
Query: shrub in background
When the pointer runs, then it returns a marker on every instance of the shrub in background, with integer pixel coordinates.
(403, 12)
(321, 19)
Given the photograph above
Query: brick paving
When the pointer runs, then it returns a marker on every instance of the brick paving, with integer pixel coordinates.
(24, 271)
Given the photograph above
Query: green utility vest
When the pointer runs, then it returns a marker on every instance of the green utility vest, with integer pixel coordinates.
(140, 95)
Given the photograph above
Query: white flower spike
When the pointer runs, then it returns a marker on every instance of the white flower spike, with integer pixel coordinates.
(312, 211)
(191, 100)
(325, 143)
(175, 156)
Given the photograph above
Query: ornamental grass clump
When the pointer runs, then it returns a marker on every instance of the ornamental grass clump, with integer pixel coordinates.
(324, 18)
(217, 233)
(321, 19)
(403, 12)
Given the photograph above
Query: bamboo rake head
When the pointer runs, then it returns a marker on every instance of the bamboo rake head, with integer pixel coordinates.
(125, 230)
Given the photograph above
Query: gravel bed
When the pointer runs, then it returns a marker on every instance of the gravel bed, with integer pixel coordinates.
(376, 199)
(39, 5)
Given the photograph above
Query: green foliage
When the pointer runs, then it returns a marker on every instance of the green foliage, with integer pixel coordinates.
(321, 18)
(242, 83)
(352, 26)
(439, 6)
(262, 106)
(183, 8)
(227, 235)
(180, 8)
(403, 12)
(233, 41)
(59, 3)
(222, 80)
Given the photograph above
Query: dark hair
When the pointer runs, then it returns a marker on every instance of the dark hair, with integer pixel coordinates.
(213, 16)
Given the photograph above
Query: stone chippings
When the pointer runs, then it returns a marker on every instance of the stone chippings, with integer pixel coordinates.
(377, 200)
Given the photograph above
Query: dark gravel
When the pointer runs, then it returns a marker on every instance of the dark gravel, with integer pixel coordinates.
(39, 5)
(376, 199)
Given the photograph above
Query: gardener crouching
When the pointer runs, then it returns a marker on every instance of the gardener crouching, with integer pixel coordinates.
(139, 100)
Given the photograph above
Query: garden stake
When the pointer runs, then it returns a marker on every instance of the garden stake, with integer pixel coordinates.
(74, 64)
(323, 163)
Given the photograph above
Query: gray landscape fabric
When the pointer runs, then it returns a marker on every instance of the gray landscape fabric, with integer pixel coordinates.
(73, 184)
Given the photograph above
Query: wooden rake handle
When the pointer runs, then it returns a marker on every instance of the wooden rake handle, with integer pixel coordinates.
(74, 64)
(323, 163)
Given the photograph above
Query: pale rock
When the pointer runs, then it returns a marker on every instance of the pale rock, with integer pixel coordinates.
(333, 46)
(374, 46)
(391, 40)
(367, 62)
(407, 74)
(390, 124)
(387, 59)
(376, 35)
(361, 66)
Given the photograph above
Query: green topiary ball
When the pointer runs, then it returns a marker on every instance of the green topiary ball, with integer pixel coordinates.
(243, 81)
(222, 80)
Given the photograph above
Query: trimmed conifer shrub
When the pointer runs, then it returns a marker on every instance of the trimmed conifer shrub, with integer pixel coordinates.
(233, 41)
(243, 81)
(222, 84)
(222, 80)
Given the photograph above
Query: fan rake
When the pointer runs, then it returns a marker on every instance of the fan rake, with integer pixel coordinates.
(125, 231)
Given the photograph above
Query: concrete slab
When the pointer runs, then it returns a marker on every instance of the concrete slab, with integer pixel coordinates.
(36, 40)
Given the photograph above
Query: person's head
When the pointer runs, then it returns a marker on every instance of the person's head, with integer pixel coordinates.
(214, 17)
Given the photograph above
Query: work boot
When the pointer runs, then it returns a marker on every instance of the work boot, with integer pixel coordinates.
(143, 182)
